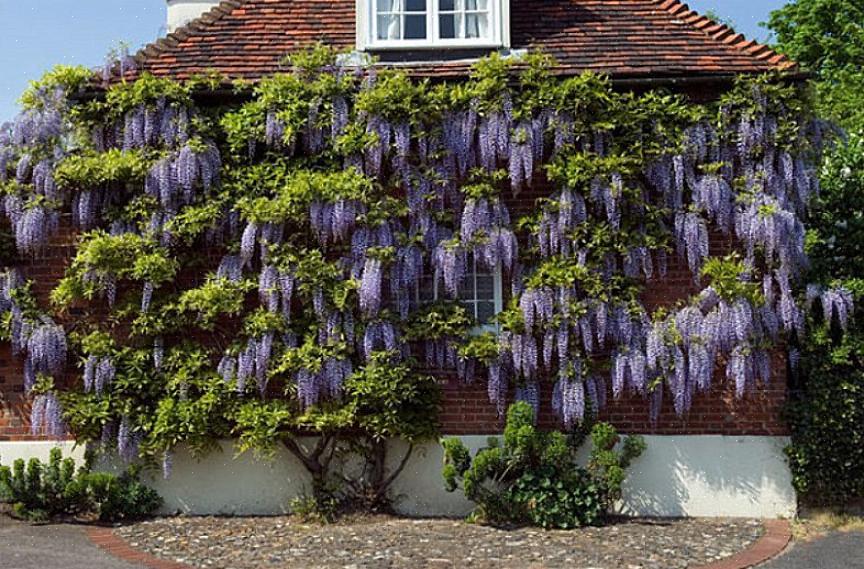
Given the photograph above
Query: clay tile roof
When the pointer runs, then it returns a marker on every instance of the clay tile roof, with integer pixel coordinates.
(623, 38)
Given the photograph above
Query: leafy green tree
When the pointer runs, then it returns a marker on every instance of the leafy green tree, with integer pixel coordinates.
(827, 416)
(827, 454)
(827, 38)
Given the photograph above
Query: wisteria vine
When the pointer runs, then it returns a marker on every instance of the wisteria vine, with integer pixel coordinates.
(335, 194)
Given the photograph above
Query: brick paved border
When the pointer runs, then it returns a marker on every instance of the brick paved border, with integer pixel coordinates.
(778, 534)
(105, 538)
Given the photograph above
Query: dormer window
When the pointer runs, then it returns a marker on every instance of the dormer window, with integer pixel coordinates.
(418, 24)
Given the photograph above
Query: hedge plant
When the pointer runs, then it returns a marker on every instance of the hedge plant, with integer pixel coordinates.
(531, 477)
(39, 492)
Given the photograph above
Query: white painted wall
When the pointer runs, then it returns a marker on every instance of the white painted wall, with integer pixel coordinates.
(181, 12)
(677, 476)
(12, 451)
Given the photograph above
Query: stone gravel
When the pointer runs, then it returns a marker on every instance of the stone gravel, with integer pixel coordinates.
(388, 542)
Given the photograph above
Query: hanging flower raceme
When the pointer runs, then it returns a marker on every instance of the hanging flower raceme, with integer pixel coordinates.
(46, 417)
(99, 373)
(128, 440)
(379, 335)
(46, 349)
(691, 234)
(521, 164)
(485, 225)
(778, 233)
(450, 262)
(333, 222)
(33, 227)
(838, 304)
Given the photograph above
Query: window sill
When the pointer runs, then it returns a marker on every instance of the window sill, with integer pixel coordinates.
(430, 55)
(424, 46)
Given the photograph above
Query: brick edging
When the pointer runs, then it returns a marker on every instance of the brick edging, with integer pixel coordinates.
(106, 539)
(778, 534)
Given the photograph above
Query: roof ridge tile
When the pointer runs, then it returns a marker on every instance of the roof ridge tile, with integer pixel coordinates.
(172, 39)
(722, 33)
(623, 38)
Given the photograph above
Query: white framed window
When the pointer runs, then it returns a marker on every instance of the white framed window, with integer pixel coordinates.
(480, 293)
(419, 24)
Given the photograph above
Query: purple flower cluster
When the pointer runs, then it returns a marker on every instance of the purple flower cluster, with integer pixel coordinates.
(99, 372)
(46, 348)
(46, 417)
(691, 234)
(33, 227)
(333, 222)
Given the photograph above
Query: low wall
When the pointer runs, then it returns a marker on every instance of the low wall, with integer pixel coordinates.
(698, 475)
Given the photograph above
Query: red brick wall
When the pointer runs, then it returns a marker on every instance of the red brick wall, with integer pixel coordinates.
(44, 271)
(466, 408)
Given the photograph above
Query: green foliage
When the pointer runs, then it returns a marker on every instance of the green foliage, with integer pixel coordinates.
(533, 477)
(145, 90)
(71, 79)
(827, 419)
(393, 401)
(836, 235)
(195, 405)
(827, 38)
(439, 321)
(825, 413)
(43, 491)
(726, 277)
(96, 169)
(216, 297)
(822, 35)
(322, 507)
(289, 97)
(118, 498)
(296, 190)
(101, 256)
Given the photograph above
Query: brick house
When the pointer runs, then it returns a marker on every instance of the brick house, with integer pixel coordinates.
(725, 456)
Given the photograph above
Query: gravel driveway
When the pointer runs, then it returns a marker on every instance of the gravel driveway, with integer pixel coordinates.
(393, 543)
(59, 546)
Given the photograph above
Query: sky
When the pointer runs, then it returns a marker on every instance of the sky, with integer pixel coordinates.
(35, 35)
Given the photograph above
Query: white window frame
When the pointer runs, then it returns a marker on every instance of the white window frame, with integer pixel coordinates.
(499, 26)
(497, 297)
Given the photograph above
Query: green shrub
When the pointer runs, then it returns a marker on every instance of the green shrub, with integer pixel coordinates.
(827, 421)
(826, 411)
(39, 492)
(533, 477)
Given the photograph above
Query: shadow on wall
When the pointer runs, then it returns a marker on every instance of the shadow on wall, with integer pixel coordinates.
(677, 476)
(711, 476)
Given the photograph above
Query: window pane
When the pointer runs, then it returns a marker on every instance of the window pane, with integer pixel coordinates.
(485, 312)
(447, 26)
(388, 27)
(466, 288)
(447, 5)
(476, 26)
(485, 287)
(388, 5)
(475, 4)
(427, 289)
(415, 27)
(415, 6)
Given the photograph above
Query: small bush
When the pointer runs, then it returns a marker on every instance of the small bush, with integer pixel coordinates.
(39, 492)
(533, 477)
